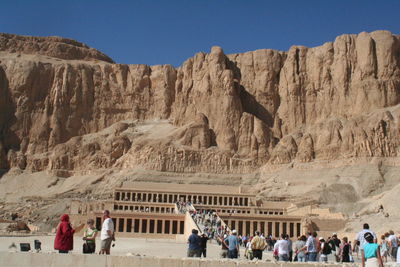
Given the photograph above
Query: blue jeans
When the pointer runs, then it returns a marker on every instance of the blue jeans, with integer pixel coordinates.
(233, 254)
(301, 258)
(311, 256)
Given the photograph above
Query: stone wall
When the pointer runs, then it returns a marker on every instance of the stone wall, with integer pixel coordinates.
(73, 260)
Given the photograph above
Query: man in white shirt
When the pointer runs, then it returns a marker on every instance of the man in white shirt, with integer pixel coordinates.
(282, 245)
(360, 236)
(393, 245)
(107, 233)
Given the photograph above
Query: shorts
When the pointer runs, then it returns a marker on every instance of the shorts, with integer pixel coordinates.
(106, 243)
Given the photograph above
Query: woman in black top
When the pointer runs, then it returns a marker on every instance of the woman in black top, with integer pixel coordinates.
(345, 250)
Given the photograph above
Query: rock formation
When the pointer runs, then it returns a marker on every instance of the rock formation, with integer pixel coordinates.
(55, 47)
(226, 113)
(310, 125)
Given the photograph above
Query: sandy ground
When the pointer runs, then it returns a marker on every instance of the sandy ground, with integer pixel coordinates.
(123, 246)
(126, 246)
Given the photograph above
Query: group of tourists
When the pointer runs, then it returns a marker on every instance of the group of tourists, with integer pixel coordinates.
(307, 248)
(197, 244)
(183, 206)
(389, 244)
(209, 222)
(64, 240)
(311, 248)
(373, 254)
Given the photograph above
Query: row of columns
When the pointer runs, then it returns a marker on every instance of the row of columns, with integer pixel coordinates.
(144, 208)
(173, 198)
(274, 228)
(146, 226)
(243, 211)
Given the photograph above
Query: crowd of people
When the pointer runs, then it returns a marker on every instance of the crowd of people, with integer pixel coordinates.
(307, 248)
(311, 248)
(183, 206)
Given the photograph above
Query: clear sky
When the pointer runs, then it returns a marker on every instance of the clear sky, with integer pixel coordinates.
(170, 31)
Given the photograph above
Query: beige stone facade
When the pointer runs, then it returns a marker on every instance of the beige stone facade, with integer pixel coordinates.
(150, 210)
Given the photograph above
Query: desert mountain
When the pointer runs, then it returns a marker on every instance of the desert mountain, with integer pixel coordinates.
(312, 124)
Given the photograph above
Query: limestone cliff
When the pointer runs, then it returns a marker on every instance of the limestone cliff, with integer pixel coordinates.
(225, 113)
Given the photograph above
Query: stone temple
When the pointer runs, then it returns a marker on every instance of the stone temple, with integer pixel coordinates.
(150, 210)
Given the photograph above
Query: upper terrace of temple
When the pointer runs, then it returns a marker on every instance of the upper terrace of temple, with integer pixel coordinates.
(172, 193)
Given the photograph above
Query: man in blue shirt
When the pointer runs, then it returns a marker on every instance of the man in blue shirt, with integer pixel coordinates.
(233, 245)
(194, 245)
(311, 247)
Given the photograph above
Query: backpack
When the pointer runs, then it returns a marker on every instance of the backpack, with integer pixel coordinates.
(327, 249)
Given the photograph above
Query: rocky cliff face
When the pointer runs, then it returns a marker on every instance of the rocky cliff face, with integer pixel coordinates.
(226, 113)
(56, 47)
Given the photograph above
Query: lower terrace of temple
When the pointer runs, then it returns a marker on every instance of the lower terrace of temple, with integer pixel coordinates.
(150, 210)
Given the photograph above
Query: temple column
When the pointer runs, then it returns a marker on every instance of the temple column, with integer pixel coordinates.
(116, 224)
(162, 226)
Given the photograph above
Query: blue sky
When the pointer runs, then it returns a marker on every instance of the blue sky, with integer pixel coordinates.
(169, 32)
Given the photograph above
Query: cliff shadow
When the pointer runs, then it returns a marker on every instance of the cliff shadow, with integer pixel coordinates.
(251, 106)
(249, 102)
(8, 139)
